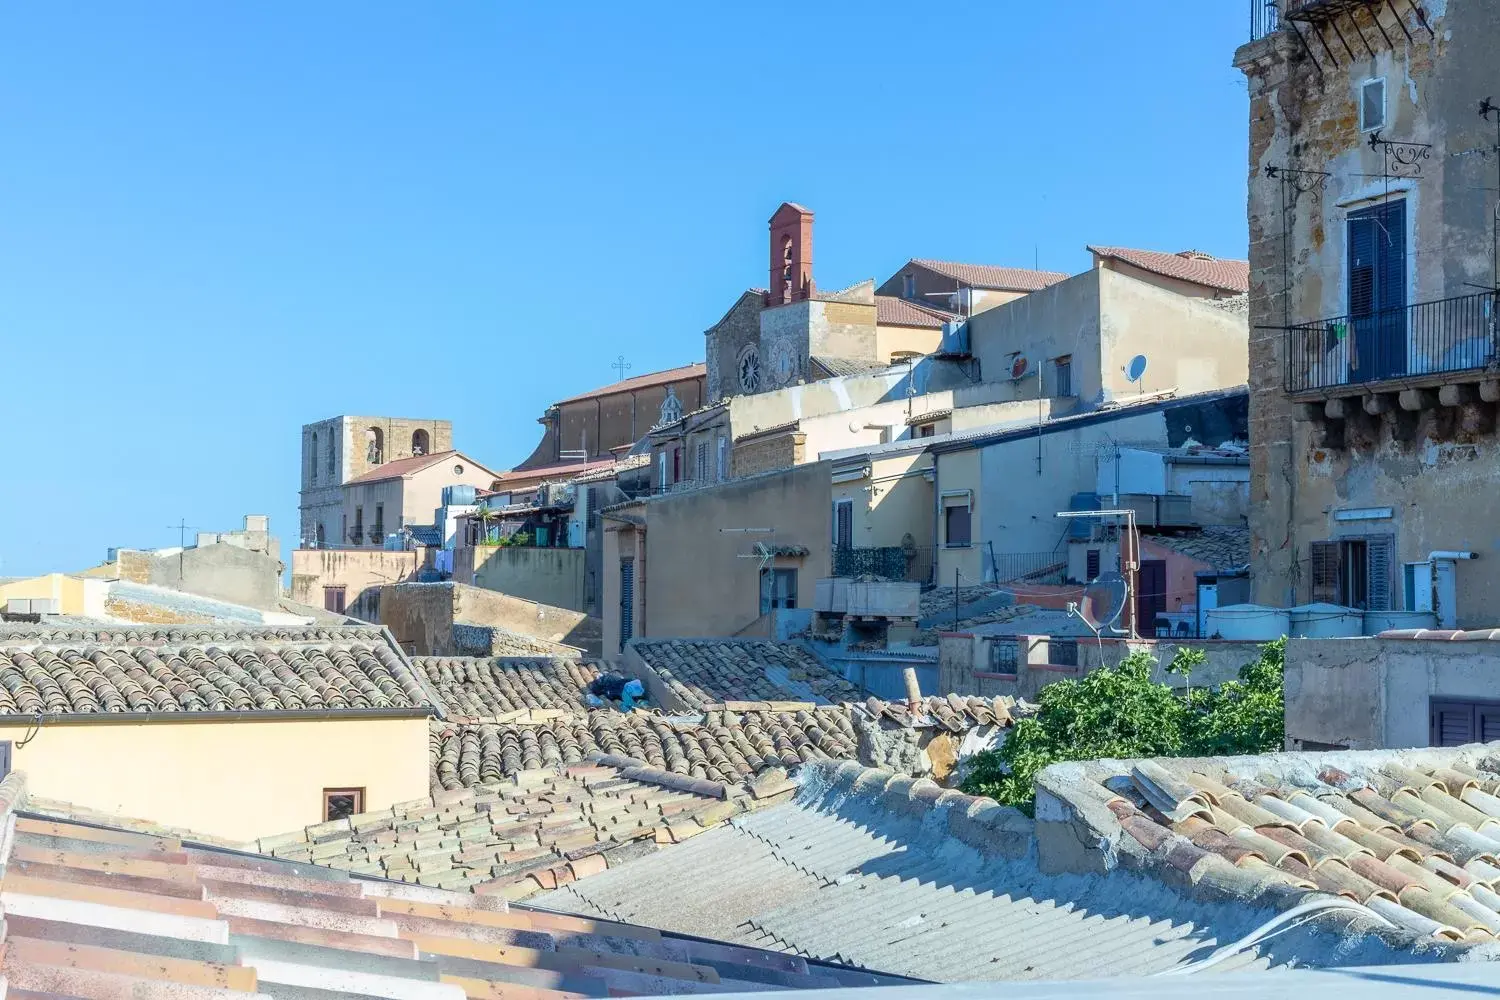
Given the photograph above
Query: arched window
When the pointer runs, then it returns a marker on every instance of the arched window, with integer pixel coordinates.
(312, 460)
(320, 536)
(374, 446)
(419, 443)
(786, 261)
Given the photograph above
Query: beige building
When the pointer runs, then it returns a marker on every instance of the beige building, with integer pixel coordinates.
(882, 517)
(339, 449)
(230, 732)
(1373, 265)
(348, 581)
(996, 492)
(404, 493)
(1086, 336)
(717, 561)
(963, 289)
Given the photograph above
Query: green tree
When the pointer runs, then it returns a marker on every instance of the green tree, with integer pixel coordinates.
(1121, 712)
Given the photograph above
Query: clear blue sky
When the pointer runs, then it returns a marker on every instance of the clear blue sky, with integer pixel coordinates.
(223, 220)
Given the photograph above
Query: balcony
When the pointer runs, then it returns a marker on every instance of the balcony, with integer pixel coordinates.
(888, 563)
(1269, 16)
(1421, 346)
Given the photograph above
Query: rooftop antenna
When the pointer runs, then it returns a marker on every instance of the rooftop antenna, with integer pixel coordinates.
(760, 551)
(182, 528)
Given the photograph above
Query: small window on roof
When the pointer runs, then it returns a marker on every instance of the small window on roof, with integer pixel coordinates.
(339, 803)
(1372, 105)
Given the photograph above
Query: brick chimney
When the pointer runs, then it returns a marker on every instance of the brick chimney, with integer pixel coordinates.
(791, 255)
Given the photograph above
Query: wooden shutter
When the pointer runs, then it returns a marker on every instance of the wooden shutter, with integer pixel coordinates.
(1487, 723)
(1451, 723)
(1390, 255)
(1362, 230)
(1324, 572)
(1378, 561)
(627, 601)
(843, 524)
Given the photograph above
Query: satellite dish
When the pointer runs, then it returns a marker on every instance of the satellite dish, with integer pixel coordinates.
(1104, 601)
(1018, 367)
(855, 427)
(1136, 368)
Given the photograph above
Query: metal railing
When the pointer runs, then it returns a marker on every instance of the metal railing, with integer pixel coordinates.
(892, 562)
(1265, 18)
(1003, 657)
(1028, 567)
(1062, 652)
(1448, 335)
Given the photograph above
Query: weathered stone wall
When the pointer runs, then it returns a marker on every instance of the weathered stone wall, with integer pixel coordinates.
(1437, 467)
(342, 453)
(426, 619)
(723, 342)
(1372, 694)
(769, 453)
(549, 576)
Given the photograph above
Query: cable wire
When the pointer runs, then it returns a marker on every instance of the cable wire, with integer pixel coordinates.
(1294, 917)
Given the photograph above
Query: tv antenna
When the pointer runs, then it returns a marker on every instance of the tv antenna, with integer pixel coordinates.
(182, 528)
(760, 550)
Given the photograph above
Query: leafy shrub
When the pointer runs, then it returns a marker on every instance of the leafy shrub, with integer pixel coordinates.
(1121, 712)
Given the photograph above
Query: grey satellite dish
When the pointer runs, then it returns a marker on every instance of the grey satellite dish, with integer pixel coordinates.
(1104, 601)
(1136, 368)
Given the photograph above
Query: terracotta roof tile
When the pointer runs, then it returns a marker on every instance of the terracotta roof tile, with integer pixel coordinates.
(893, 311)
(204, 670)
(1415, 837)
(1189, 265)
(410, 466)
(1223, 547)
(93, 912)
(681, 374)
(494, 686)
(703, 672)
(1010, 279)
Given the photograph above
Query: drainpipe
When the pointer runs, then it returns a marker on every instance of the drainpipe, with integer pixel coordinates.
(1445, 585)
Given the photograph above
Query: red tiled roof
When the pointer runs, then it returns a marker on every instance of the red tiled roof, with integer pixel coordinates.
(681, 374)
(1010, 279)
(562, 470)
(891, 311)
(411, 466)
(1188, 265)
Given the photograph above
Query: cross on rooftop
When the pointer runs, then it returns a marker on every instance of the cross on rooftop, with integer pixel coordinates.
(621, 365)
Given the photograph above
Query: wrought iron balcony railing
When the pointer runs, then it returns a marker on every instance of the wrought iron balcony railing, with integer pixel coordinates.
(1426, 338)
(1265, 17)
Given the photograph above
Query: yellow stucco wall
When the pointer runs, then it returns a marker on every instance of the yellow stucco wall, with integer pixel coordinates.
(900, 504)
(76, 596)
(890, 340)
(959, 470)
(237, 780)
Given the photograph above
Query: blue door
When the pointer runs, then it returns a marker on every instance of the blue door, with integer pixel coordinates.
(1377, 292)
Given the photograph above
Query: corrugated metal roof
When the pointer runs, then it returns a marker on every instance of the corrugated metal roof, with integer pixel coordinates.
(854, 871)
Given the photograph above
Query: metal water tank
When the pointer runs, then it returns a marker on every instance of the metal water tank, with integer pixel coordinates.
(1326, 621)
(1377, 622)
(1249, 622)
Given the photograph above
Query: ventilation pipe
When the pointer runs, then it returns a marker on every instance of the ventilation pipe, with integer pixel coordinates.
(1445, 585)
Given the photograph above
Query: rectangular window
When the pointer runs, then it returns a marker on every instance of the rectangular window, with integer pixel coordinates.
(1062, 376)
(1372, 105)
(927, 430)
(377, 533)
(908, 286)
(359, 526)
(333, 599)
(5, 748)
(676, 465)
(339, 803)
(957, 521)
(661, 471)
(843, 524)
(593, 518)
(700, 469)
(1353, 572)
(723, 469)
(1091, 570)
(778, 589)
(1453, 723)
